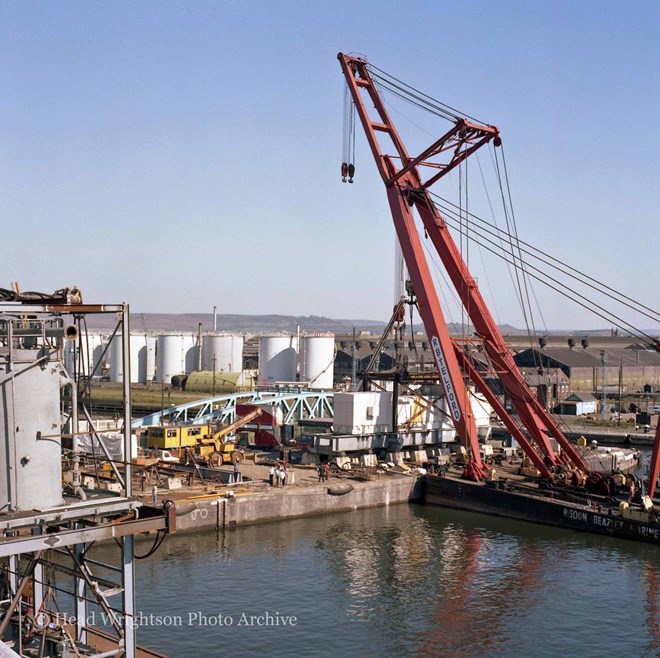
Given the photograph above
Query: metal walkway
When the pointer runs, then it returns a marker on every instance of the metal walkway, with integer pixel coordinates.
(294, 405)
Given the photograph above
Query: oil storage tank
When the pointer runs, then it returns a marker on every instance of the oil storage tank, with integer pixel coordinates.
(277, 359)
(222, 352)
(142, 351)
(317, 360)
(91, 350)
(30, 457)
(169, 357)
(101, 357)
(148, 359)
(190, 353)
(79, 354)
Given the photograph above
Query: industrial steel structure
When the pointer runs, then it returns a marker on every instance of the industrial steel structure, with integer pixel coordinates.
(294, 405)
(47, 527)
(408, 189)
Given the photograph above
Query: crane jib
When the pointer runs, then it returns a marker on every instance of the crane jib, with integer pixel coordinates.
(446, 379)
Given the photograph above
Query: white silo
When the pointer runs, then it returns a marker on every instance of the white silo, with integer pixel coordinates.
(169, 357)
(137, 359)
(222, 352)
(149, 359)
(102, 356)
(143, 358)
(91, 349)
(79, 354)
(317, 360)
(116, 364)
(277, 359)
(190, 353)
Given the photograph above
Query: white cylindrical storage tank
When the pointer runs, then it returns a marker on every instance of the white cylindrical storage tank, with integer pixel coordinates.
(222, 352)
(143, 358)
(29, 408)
(78, 354)
(138, 357)
(91, 348)
(116, 364)
(97, 366)
(101, 356)
(277, 359)
(149, 359)
(190, 353)
(169, 357)
(317, 360)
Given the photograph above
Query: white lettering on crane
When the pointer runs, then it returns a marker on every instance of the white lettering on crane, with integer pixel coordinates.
(452, 400)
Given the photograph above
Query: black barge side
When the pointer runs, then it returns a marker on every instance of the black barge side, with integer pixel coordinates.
(502, 499)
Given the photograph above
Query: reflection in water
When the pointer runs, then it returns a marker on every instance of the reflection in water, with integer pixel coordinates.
(653, 605)
(480, 576)
(403, 581)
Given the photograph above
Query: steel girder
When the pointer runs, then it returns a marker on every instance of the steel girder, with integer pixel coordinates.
(294, 406)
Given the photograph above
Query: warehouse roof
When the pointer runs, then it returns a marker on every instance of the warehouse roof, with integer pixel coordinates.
(581, 358)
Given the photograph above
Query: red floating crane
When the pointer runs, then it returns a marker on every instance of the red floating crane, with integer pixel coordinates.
(406, 190)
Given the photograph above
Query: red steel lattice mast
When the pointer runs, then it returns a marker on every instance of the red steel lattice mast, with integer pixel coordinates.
(406, 189)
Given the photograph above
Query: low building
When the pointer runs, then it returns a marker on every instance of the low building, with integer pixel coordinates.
(629, 369)
(550, 387)
(578, 404)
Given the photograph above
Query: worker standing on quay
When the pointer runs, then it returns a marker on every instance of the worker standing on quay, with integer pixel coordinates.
(282, 476)
(326, 471)
(271, 476)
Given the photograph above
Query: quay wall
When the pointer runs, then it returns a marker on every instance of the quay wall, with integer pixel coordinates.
(277, 504)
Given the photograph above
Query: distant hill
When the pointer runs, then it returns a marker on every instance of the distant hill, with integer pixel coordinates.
(252, 324)
(266, 324)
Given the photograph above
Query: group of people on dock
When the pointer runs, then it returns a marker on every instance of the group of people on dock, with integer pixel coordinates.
(277, 475)
(324, 472)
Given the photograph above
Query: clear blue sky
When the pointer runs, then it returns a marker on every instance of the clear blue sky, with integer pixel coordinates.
(180, 155)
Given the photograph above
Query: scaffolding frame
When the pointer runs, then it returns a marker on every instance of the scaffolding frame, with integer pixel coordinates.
(58, 539)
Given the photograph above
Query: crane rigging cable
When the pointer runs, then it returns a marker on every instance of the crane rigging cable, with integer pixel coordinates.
(448, 207)
(552, 283)
(406, 193)
(521, 274)
(415, 97)
(410, 98)
(424, 101)
(431, 102)
(348, 145)
(450, 213)
(492, 214)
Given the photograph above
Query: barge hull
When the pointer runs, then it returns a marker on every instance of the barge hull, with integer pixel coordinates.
(479, 497)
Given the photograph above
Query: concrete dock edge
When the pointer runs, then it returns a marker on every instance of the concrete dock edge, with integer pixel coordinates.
(229, 511)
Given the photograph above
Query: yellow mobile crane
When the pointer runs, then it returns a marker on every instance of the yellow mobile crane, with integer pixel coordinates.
(215, 450)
